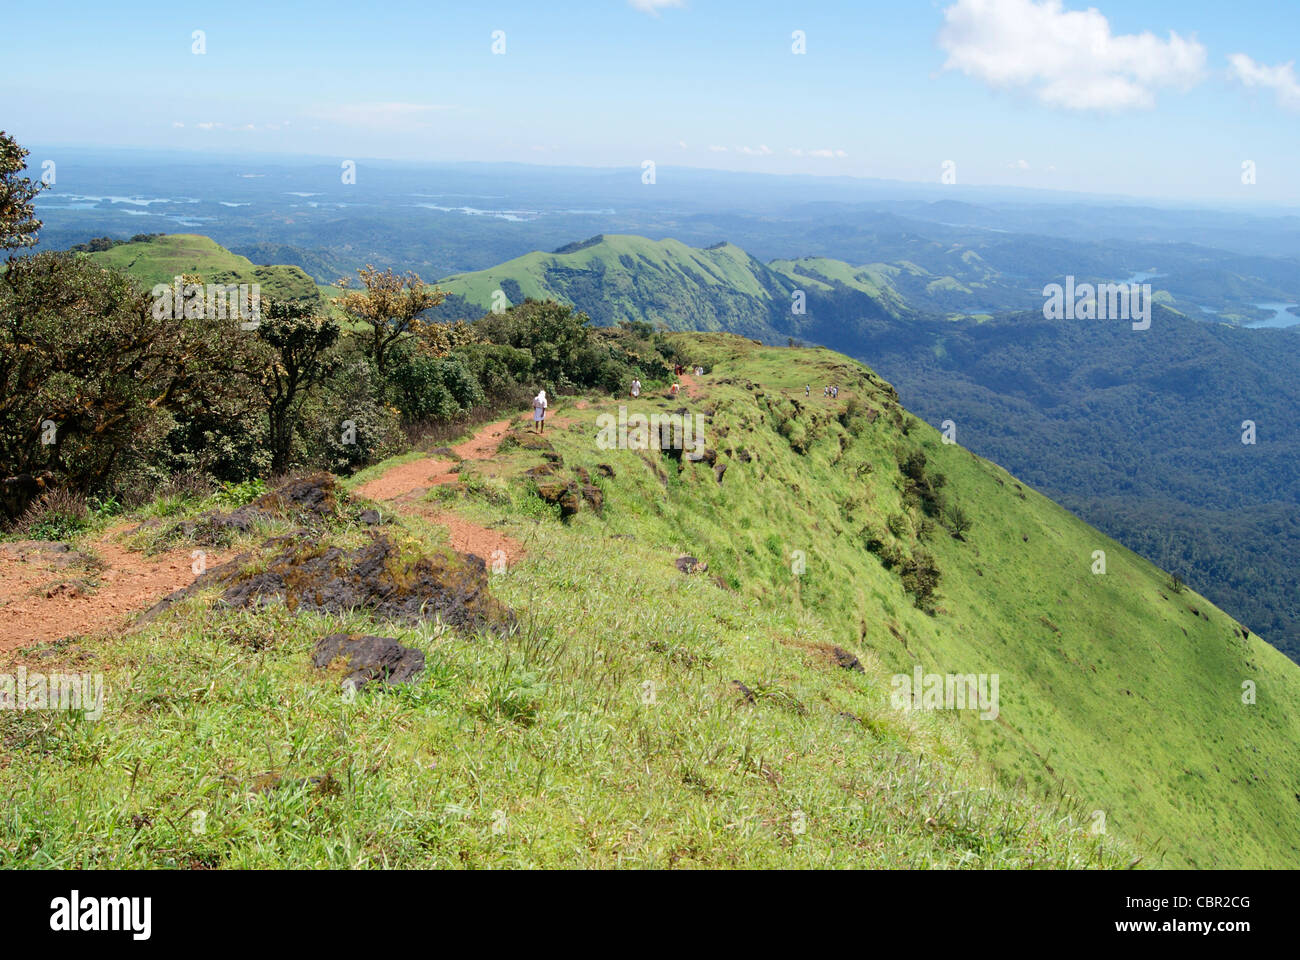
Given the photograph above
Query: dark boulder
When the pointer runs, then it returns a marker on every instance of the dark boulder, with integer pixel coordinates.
(367, 658)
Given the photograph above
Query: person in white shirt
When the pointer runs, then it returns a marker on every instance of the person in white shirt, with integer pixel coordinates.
(636, 388)
(539, 411)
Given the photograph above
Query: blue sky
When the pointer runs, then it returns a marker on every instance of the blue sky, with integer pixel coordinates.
(1016, 92)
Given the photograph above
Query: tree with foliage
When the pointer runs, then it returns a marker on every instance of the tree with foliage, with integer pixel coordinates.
(550, 331)
(18, 223)
(440, 339)
(290, 356)
(389, 306)
(88, 374)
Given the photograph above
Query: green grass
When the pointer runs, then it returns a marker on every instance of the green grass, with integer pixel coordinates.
(164, 258)
(607, 731)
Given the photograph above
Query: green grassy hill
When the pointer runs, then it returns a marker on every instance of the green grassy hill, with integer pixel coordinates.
(642, 716)
(163, 258)
(617, 277)
(625, 278)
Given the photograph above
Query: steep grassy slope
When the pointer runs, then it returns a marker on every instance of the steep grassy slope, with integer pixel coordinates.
(1116, 689)
(1140, 433)
(903, 286)
(164, 258)
(609, 729)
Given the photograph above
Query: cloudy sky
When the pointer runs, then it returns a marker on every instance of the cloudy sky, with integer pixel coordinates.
(1151, 98)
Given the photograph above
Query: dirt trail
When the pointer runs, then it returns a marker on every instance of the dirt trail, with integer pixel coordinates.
(419, 475)
(404, 485)
(464, 536)
(47, 593)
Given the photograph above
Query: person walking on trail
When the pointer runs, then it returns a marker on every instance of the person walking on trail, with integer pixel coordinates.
(539, 411)
(636, 388)
(807, 389)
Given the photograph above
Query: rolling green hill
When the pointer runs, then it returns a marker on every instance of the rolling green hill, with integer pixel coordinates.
(647, 716)
(667, 283)
(161, 259)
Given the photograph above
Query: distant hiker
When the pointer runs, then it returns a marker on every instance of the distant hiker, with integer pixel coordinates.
(636, 388)
(807, 389)
(539, 411)
(699, 371)
(674, 388)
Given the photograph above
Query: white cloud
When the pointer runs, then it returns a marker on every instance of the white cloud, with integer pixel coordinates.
(1068, 58)
(209, 125)
(717, 149)
(1019, 164)
(1281, 79)
(762, 150)
(824, 154)
(682, 144)
(653, 7)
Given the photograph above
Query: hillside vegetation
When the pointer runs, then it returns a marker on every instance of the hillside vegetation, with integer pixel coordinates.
(643, 715)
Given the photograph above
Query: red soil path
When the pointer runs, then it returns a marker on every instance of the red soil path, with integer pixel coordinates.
(45, 595)
(404, 484)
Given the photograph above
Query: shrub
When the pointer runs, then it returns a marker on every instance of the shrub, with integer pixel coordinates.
(959, 522)
(57, 514)
(433, 388)
(348, 426)
(920, 576)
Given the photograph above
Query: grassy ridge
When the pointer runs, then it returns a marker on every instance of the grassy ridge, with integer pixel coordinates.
(1116, 689)
(609, 730)
(667, 283)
